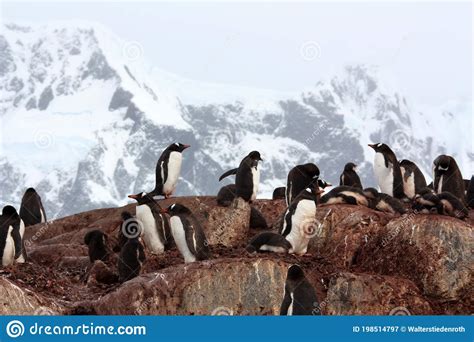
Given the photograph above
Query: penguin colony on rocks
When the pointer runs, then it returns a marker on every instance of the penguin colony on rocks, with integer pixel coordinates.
(154, 230)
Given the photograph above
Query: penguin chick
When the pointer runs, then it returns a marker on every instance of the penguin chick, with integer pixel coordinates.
(452, 206)
(268, 242)
(96, 241)
(447, 177)
(226, 195)
(350, 177)
(256, 219)
(384, 202)
(300, 296)
(279, 193)
(31, 209)
(345, 194)
(131, 258)
(426, 202)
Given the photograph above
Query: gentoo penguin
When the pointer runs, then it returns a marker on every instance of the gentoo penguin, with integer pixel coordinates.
(387, 171)
(300, 296)
(447, 176)
(350, 177)
(128, 224)
(470, 193)
(131, 258)
(256, 219)
(452, 206)
(345, 194)
(279, 193)
(168, 169)
(426, 201)
(299, 178)
(154, 225)
(96, 242)
(187, 233)
(31, 209)
(226, 195)
(247, 177)
(299, 220)
(268, 242)
(383, 202)
(413, 179)
(12, 230)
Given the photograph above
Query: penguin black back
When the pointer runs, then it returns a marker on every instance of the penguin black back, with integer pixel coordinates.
(131, 257)
(470, 193)
(413, 178)
(299, 178)
(31, 209)
(226, 195)
(96, 241)
(279, 193)
(350, 177)
(300, 296)
(448, 177)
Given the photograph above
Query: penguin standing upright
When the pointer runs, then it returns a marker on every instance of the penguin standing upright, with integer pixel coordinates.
(247, 177)
(413, 178)
(12, 229)
(300, 296)
(299, 220)
(350, 177)
(187, 233)
(131, 258)
(96, 242)
(299, 178)
(31, 209)
(155, 226)
(447, 177)
(168, 169)
(387, 171)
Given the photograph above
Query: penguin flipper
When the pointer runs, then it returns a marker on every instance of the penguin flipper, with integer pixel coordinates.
(228, 173)
(18, 242)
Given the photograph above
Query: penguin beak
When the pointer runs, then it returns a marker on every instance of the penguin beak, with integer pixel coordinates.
(328, 184)
(372, 145)
(186, 146)
(133, 196)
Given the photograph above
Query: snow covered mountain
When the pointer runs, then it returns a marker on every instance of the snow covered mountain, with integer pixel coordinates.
(84, 121)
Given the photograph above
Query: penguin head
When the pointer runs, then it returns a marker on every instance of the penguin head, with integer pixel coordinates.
(310, 169)
(350, 167)
(9, 212)
(178, 147)
(255, 155)
(295, 272)
(175, 209)
(380, 148)
(142, 198)
(442, 163)
(371, 193)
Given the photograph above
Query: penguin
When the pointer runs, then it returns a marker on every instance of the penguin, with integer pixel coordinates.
(470, 193)
(384, 202)
(413, 178)
(387, 171)
(226, 195)
(299, 178)
(247, 177)
(350, 177)
(31, 209)
(187, 233)
(447, 176)
(256, 219)
(452, 206)
(128, 223)
(466, 185)
(96, 242)
(131, 258)
(300, 296)
(12, 231)
(155, 226)
(299, 219)
(345, 194)
(279, 193)
(168, 169)
(268, 242)
(426, 201)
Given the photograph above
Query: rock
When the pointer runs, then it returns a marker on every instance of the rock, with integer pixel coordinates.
(228, 226)
(239, 287)
(343, 229)
(362, 294)
(101, 273)
(74, 262)
(433, 251)
(52, 254)
(19, 301)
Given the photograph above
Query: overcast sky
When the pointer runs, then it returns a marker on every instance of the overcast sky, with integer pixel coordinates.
(425, 47)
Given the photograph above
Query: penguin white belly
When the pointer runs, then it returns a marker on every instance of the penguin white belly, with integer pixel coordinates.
(150, 233)
(21, 258)
(440, 185)
(255, 181)
(384, 174)
(290, 308)
(179, 237)
(174, 168)
(274, 249)
(43, 220)
(304, 214)
(408, 184)
(9, 250)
